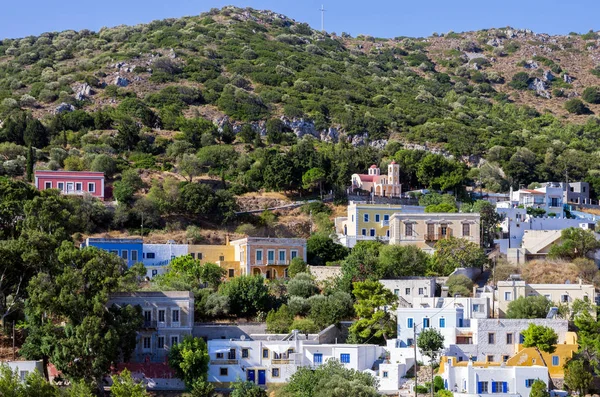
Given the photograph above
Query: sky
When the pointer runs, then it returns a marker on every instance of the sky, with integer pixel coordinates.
(379, 18)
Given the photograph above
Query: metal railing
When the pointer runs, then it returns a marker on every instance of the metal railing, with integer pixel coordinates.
(224, 362)
(150, 324)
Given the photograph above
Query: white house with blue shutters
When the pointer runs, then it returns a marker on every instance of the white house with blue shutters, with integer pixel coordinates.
(479, 379)
(448, 320)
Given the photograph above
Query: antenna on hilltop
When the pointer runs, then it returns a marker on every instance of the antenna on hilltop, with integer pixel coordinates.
(322, 9)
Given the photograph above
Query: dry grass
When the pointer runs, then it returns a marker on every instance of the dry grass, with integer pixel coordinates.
(550, 272)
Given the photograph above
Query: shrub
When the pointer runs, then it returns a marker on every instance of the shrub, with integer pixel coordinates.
(576, 106)
(459, 284)
(278, 322)
(302, 285)
(104, 163)
(305, 326)
(297, 266)
(591, 95)
(520, 81)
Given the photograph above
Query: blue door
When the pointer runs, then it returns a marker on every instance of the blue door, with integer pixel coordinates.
(318, 359)
(251, 375)
(262, 377)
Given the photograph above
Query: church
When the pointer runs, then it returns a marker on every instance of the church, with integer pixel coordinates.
(377, 184)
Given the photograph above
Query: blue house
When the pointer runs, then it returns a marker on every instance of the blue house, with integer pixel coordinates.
(131, 250)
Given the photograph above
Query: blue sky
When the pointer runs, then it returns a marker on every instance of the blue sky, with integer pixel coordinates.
(381, 18)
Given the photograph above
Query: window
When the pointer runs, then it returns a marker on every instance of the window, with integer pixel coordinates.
(387, 233)
(134, 255)
(154, 272)
(231, 272)
(231, 355)
(318, 358)
(425, 322)
(364, 232)
(442, 322)
(476, 308)
(91, 187)
(490, 358)
(529, 382)
(377, 218)
(221, 258)
(386, 217)
(61, 186)
(223, 371)
(396, 292)
(259, 255)
(161, 316)
(406, 291)
(150, 255)
(48, 185)
(409, 229)
(345, 358)
(271, 256)
(372, 232)
(509, 339)
(571, 189)
(147, 342)
(70, 186)
(482, 387)
(385, 374)
(366, 217)
(293, 254)
(125, 254)
(466, 229)
(275, 372)
(564, 298)
(420, 291)
(174, 340)
(175, 316)
(444, 230)
(147, 315)
(508, 296)
(161, 342)
(285, 273)
(499, 387)
(199, 256)
(521, 339)
(554, 202)
(555, 361)
(491, 338)
(220, 356)
(23, 375)
(78, 186)
(245, 353)
(409, 322)
(116, 252)
(583, 189)
(281, 255)
(505, 358)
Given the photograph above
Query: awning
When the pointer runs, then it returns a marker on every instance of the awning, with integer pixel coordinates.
(223, 350)
(280, 349)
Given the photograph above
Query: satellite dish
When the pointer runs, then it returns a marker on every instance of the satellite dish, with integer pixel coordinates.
(243, 337)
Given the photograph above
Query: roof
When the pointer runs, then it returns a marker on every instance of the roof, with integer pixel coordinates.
(70, 173)
(148, 370)
(531, 191)
(368, 178)
(373, 166)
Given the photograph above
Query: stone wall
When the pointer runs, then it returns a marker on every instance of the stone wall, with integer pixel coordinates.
(322, 273)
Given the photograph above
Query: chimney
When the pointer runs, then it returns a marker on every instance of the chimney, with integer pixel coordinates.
(226, 238)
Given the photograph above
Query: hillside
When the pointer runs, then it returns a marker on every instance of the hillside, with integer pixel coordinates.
(223, 84)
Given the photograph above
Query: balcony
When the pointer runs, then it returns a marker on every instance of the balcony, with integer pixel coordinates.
(385, 223)
(224, 362)
(438, 236)
(149, 324)
(283, 263)
(284, 361)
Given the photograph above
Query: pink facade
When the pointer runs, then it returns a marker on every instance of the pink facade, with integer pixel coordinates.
(71, 182)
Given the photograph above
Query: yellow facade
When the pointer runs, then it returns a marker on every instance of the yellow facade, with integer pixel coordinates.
(370, 220)
(222, 255)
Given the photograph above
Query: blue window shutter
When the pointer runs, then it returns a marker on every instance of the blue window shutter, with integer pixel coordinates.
(494, 388)
(504, 387)
(479, 387)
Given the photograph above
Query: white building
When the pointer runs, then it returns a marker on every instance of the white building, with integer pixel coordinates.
(473, 307)
(477, 379)
(24, 368)
(548, 197)
(158, 256)
(411, 321)
(409, 288)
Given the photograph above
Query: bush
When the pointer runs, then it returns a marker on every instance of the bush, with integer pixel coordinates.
(459, 285)
(576, 106)
(297, 265)
(298, 306)
(104, 163)
(278, 322)
(302, 285)
(305, 326)
(520, 81)
(591, 95)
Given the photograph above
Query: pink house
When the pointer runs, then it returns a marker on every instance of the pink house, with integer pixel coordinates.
(72, 182)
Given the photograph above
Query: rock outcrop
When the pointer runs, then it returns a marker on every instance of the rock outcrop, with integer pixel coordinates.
(64, 107)
(539, 87)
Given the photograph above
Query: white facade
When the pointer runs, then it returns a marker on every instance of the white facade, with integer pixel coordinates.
(409, 288)
(477, 307)
(158, 256)
(477, 380)
(548, 197)
(446, 320)
(24, 368)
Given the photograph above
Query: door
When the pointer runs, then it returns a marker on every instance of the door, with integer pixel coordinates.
(262, 377)
(318, 358)
(70, 187)
(251, 375)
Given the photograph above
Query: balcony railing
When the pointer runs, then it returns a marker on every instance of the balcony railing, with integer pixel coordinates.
(385, 223)
(224, 362)
(149, 324)
(438, 236)
(283, 361)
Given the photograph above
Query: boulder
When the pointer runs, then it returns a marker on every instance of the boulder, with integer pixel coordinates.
(539, 87)
(121, 81)
(548, 76)
(64, 107)
(567, 78)
(531, 65)
(84, 91)
(330, 135)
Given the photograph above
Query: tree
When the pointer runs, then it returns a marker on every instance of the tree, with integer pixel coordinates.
(297, 266)
(331, 309)
(202, 388)
(30, 163)
(278, 321)
(397, 261)
(430, 342)
(591, 95)
(189, 358)
(125, 386)
(128, 134)
(540, 337)
(322, 249)
(489, 219)
(189, 165)
(247, 295)
(104, 163)
(539, 389)
(123, 192)
(312, 178)
(246, 389)
(576, 106)
(212, 274)
(575, 243)
(459, 285)
(305, 326)
(93, 336)
(529, 307)
(520, 81)
(452, 253)
(374, 305)
(440, 208)
(331, 379)
(35, 134)
(360, 265)
(303, 285)
(578, 376)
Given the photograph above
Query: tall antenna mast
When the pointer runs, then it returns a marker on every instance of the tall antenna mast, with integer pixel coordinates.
(322, 9)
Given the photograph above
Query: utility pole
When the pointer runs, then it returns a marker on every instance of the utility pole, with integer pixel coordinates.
(322, 9)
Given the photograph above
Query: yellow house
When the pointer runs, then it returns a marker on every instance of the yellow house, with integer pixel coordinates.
(269, 257)
(368, 222)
